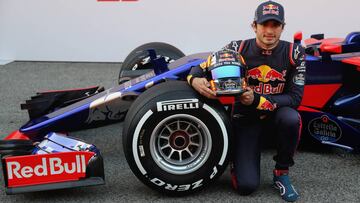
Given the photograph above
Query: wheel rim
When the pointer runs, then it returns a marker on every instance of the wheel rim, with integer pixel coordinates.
(180, 144)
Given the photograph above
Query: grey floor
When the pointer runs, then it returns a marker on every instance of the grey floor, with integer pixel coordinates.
(318, 177)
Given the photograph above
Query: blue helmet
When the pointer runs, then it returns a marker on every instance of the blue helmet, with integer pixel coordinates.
(227, 73)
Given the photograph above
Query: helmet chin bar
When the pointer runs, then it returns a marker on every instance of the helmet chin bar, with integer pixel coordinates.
(228, 86)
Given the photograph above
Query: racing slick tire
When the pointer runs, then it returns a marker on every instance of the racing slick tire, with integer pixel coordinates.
(176, 141)
(139, 58)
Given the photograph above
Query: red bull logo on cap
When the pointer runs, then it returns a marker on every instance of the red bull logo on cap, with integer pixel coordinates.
(270, 9)
(265, 74)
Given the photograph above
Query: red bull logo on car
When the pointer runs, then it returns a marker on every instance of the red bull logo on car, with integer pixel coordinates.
(265, 74)
(46, 168)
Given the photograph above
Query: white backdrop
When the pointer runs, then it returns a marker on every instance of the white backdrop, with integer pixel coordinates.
(87, 30)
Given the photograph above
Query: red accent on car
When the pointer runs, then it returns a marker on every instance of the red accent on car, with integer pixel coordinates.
(353, 61)
(311, 41)
(17, 135)
(332, 40)
(331, 48)
(298, 36)
(317, 95)
(304, 108)
(46, 168)
(226, 100)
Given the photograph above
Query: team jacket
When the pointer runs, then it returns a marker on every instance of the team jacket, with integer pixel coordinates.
(277, 76)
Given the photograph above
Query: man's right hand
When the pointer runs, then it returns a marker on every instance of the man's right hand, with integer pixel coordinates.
(203, 87)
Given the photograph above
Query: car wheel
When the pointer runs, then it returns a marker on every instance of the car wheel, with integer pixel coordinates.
(175, 141)
(139, 58)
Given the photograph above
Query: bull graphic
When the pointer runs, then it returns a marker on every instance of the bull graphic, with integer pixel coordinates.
(111, 106)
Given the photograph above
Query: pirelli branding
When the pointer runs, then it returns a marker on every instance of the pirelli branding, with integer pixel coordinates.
(181, 104)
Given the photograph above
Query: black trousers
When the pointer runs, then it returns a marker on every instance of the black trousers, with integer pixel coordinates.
(282, 127)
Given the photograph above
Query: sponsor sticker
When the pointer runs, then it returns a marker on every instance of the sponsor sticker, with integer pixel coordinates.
(299, 79)
(296, 53)
(301, 68)
(325, 129)
(46, 168)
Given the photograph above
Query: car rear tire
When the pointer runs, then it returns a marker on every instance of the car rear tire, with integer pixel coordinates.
(139, 58)
(175, 141)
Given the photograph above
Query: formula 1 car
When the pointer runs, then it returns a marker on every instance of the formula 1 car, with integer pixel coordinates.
(175, 141)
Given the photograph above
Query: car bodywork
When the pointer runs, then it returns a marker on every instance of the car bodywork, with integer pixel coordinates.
(330, 113)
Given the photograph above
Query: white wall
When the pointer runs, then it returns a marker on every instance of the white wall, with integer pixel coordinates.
(87, 30)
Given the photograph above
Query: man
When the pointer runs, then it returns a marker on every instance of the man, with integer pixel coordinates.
(276, 77)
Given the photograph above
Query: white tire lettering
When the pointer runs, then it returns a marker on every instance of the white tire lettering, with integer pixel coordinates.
(215, 171)
(184, 187)
(135, 141)
(170, 187)
(197, 184)
(157, 182)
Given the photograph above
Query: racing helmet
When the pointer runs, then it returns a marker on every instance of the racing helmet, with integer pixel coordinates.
(227, 73)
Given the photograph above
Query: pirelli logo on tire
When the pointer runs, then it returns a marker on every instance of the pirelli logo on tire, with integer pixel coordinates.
(181, 104)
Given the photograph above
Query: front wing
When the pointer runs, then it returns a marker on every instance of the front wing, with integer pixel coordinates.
(57, 162)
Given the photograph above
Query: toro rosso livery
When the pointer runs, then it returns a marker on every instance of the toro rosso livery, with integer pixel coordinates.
(175, 140)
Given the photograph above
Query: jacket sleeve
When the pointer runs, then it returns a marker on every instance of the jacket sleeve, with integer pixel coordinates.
(294, 86)
(199, 71)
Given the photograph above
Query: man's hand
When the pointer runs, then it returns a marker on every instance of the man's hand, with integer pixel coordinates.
(202, 86)
(247, 98)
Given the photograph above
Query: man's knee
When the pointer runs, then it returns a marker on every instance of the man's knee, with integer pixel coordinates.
(287, 116)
